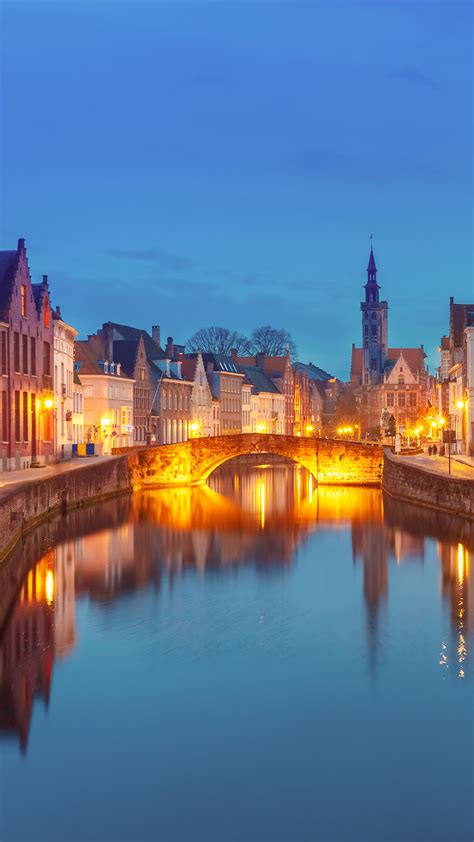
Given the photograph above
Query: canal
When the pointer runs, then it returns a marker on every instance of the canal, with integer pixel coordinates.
(257, 659)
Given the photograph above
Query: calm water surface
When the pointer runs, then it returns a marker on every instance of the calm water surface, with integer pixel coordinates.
(257, 660)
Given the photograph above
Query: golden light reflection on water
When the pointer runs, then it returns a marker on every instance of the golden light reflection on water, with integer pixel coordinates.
(457, 585)
(259, 515)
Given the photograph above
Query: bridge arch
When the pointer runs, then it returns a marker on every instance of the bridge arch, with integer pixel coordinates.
(192, 462)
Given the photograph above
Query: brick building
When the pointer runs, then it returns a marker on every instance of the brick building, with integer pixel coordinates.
(26, 365)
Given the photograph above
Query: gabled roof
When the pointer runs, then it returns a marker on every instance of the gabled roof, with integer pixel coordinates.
(188, 367)
(152, 349)
(274, 367)
(125, 352)
(461, 316)
(414, 358)
(221, 362)
(163, 372)
(259, 380)
(88, 354)
(8, 268)
(313, 372)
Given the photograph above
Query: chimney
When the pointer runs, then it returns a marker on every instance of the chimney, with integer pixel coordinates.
(260, 360)
(233, 354)
(45, 280)
(58, 312)
(21, 245)
(210, 367)
(108, 340)
(156, 334)
(169, 351)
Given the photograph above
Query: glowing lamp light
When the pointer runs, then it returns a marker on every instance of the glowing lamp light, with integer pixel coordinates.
(105, 422)
(309, 428)
(49, 587)
(194, 427)
(340, 431)
(460, 404)
(441, 422)
(48, 403)
(261, 428)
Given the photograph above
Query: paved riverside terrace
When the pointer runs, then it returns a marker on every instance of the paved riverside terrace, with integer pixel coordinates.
(8, 478)
(439, 465)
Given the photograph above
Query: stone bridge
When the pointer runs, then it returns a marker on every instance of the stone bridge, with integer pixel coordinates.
(331, 462)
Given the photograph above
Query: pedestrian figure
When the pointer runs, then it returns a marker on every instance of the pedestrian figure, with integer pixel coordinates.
(430, 450)
(435, 450)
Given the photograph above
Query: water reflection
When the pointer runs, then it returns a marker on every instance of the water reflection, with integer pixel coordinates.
(257, 516)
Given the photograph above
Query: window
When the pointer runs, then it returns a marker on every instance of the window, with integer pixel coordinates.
(374, 364)
(47, 359)
(3, 353)
(33, 356)
(23, 300)
(4, 417)
(413, 398)
(401, 399)
(373, 331)
(17, 415)
(25, 416)
(25, 353)
(401, 380)
(16, 351)
(390, 399)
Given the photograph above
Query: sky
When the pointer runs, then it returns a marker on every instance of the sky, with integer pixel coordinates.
(224, 163)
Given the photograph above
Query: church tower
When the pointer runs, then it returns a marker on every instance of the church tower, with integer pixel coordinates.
(374, 328)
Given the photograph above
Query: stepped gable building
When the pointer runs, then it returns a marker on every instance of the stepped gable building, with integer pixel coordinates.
(26, 365)
(202, 401)
(386, 381)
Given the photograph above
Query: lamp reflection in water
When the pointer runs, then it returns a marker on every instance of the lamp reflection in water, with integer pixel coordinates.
(456, 584)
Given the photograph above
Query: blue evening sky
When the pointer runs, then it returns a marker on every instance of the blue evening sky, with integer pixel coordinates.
(197, 163)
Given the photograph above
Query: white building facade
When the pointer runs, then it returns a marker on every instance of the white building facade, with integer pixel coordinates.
(63, 371)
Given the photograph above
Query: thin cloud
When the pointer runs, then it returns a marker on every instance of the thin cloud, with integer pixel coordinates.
(163, 259)
(415, 76)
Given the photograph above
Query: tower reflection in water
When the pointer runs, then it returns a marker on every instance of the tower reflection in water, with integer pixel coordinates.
(255, 515)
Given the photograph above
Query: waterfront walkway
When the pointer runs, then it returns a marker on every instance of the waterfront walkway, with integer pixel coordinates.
(462, 467)
(8, 478)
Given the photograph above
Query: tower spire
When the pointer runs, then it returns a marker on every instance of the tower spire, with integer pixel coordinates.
(371, 268)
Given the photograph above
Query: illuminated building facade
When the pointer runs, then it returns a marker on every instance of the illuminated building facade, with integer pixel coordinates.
(108, 397)
(63, 359)
(26, 365)
(193, 371)
(386, 380)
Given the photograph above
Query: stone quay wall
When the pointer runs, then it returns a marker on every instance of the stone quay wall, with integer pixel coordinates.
(405, 481)
(25, 504)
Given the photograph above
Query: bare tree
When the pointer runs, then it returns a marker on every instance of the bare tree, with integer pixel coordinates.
(272, 341)
(218, 340)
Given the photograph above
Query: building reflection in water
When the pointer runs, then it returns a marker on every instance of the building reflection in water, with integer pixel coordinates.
(255, 515)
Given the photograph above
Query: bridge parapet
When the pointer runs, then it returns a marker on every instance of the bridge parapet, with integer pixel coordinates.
(332, 462)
